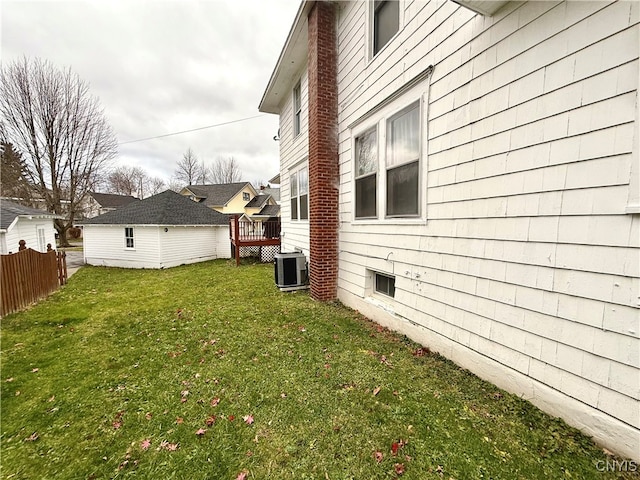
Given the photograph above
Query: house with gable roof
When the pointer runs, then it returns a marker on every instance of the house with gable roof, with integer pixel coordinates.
(467, 173)
(97, 203)
(227, 198)
(34, 226)
(162, 231)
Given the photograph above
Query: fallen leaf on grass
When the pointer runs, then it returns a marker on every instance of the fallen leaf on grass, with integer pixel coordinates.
(248, 419)
(399, 468)
(201, 431)
(231, 418)
(378, 456)
(145, 444)
(211, 420)
(32, 438)
(376, 391)
(242, 475)
(35, 370)
(215, 401)
(179, 420)
(170, 447)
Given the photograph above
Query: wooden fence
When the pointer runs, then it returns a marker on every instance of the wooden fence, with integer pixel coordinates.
(29, 276)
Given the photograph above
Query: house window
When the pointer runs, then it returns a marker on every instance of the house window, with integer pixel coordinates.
(128, 237)
(386, 23)
(385, 285)
(387, 164)
(42, 239)
(297, 109)
(366, 173)
(299, 185)
(245, 196)
(403, 159)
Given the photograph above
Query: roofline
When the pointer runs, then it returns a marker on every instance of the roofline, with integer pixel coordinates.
(226, 225)
(301, 16)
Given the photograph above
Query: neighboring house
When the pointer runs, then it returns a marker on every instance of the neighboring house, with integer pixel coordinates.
(98, 203)
(261, 205)
(472, 181)
(18, 222)
(161, 231)
(273, 191)
(227, 198)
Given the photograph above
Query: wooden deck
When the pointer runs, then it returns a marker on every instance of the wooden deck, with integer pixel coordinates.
(244, 233)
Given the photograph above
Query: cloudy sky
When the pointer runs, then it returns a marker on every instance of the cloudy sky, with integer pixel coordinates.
(160, 67)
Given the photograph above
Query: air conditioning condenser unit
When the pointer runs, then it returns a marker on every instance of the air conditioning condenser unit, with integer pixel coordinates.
(291, 271)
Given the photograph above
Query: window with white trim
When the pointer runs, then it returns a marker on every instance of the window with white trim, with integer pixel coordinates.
(403, 161)
(128, 237)
(388, 176)
(42, 239)
(299, 193)
(366, 153)
(297, 108)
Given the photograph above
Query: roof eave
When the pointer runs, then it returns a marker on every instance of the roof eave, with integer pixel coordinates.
(292, 57)
(483, 7)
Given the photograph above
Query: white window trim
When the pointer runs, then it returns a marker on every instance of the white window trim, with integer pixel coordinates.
(41, 236)
(633, 201)
(369, 30)
(296, 109)
(133, 236)
(303, 165)
(418, 93)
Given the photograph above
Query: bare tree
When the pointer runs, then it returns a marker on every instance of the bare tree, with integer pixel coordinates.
(225, 170)
(60, 130)
(133, 181)
(190, 171)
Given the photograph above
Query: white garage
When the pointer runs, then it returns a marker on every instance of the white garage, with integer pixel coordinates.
(162, 231)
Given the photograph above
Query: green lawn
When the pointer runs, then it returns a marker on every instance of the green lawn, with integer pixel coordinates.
(209, 372)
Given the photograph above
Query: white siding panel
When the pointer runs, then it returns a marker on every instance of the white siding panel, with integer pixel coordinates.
(527, 256)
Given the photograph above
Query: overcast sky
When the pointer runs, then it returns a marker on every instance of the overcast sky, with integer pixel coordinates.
(160, 67)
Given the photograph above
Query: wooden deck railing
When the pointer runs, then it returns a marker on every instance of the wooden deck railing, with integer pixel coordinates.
(245, 233)
(28, 276)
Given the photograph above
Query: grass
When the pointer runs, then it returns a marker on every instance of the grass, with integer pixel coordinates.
(159, 374)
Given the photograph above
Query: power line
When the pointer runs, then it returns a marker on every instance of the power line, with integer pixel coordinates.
(193, 129)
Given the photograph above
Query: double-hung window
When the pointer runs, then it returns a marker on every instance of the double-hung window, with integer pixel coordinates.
(387, 164)
(366, 146)
(297, 108)
(299, 193)
(402, 162)
(128, 237)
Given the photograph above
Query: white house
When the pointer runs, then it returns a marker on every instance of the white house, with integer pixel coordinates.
(467, 173)
(161, 231)
(18, 222)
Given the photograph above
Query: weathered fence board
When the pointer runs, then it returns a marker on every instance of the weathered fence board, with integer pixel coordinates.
(29, 276)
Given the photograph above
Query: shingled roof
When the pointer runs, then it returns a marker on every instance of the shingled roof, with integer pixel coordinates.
(9, 211)
(110, 200)
(217, 195)
(166, 208)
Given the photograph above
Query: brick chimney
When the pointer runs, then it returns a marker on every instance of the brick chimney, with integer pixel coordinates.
(323, 151)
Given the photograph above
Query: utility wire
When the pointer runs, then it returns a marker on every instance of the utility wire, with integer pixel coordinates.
(193, 129)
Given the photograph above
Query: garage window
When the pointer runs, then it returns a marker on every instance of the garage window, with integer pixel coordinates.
(128, 237)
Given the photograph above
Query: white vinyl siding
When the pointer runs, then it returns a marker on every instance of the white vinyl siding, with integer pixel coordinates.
(526, 267)
(31, 231)
(155, 247)
(293, 151)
